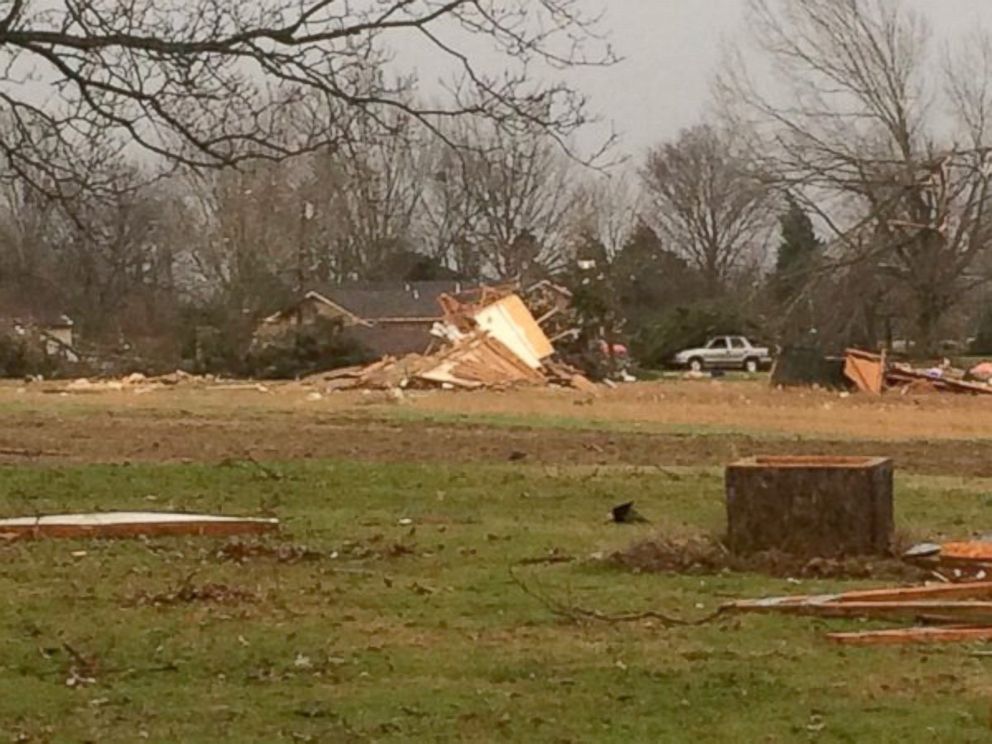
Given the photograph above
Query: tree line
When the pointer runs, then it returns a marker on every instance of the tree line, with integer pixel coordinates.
(200, 166)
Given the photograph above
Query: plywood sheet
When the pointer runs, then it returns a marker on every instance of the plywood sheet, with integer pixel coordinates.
(865, 370)
(511, 323)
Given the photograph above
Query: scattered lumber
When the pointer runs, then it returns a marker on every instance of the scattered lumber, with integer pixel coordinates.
(952, 613)
(966, 610)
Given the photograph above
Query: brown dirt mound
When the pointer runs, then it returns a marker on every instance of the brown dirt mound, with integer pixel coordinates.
(705, 554)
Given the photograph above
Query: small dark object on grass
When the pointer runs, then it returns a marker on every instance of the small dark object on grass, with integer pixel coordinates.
(517, 456)
(627, 514)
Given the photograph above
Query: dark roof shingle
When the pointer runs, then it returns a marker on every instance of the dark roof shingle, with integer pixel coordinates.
(373, 301)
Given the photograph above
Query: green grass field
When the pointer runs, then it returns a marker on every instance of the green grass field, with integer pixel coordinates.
(417, 632)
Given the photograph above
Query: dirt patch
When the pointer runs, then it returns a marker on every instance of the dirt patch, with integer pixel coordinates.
(704, 554)
(936, 435)
(175, 437)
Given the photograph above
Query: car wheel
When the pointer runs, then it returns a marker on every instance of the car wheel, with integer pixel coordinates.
(696, 365)
(751, 365)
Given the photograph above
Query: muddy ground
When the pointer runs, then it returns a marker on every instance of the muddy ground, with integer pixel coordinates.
(113, 436)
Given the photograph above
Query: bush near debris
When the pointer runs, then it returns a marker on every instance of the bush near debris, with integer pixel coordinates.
(21, 356)
(302, 352)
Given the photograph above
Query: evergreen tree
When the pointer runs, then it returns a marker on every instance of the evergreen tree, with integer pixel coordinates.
(649, 278)
(798, 251)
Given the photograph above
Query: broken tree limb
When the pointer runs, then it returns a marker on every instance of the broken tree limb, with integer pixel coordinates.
(577, 614)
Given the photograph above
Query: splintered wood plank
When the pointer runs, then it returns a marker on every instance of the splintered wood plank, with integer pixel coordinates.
(959, 611)
(979, 590)
(911, 636)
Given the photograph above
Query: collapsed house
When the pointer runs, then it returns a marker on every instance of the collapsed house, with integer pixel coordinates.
(486, 337)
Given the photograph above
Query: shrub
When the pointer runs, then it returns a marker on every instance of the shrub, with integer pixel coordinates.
(299, 352)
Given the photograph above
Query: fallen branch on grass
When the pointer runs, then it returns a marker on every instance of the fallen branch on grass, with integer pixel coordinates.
(264, 469)
(578, 614)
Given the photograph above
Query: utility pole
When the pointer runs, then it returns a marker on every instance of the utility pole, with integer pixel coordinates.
(306, 214)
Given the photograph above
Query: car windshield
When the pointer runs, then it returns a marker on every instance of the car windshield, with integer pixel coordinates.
(717, 343)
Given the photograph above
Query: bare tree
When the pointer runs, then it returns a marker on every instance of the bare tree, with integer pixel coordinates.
(859, 136)
(242, 245)
(211, 82)
(447, 213)
(516, 194)
(610, 209)
(365, 197)
(706, 203)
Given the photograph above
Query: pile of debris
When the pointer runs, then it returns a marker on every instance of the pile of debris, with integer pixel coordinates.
(488, 339)
(954, 561)
(875, 373)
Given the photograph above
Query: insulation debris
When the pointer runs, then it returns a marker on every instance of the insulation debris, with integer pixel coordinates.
(130, 524)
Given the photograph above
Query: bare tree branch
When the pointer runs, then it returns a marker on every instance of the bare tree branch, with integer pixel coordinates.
(205, 82)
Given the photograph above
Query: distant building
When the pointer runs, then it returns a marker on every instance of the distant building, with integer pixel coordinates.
(387, 318)
(33, 314)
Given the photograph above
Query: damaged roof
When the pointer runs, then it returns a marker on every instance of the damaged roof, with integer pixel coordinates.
(393, 300)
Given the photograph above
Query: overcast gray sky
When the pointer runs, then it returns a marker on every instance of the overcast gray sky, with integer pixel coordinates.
(672, 49)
